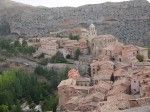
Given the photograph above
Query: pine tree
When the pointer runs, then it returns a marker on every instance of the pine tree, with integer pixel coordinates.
(77, 54)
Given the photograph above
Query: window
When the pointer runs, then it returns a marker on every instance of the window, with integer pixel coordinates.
(134, 90)
(120, 59)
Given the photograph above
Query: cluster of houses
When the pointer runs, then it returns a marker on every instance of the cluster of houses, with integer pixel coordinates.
(89, 43)
(49, 46)
(116, 80)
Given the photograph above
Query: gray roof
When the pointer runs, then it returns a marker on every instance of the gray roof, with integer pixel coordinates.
(137, 109)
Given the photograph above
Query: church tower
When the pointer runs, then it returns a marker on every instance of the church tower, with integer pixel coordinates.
(92, 31)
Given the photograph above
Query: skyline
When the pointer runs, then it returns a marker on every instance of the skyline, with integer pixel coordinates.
(63, 3)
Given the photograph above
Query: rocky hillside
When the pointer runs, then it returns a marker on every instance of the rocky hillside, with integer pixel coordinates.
(129, 21)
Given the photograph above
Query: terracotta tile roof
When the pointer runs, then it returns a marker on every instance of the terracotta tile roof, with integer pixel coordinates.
(136, 109)
(108, 36)
(130, 47)
(106, 72)
(123, 81)
(83, 79)
(115, 47)
(109, 107)
(119, 97)
(74, 100)
(102, 77)
(120, 72)
(82, 87)
(68, 82)
(117, 90)
(103, 85)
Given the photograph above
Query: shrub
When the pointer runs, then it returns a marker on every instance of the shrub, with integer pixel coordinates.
(74, 37)
(58, 58)
(140, 58)
(77, 54)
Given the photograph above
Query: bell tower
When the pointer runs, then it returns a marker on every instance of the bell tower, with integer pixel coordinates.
(92, 31)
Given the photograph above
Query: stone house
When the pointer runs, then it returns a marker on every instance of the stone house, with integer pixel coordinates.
(72, 45)
(145, 84)
(124, 53)
(97, 67)
(33, 42)
(100, 42)
(65, 90)
(49, 49)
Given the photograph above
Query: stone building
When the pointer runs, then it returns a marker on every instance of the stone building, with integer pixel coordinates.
(100, 42)
(98, 67)
(33, 42)
(72, 45)
(47, 46)
(124, 53)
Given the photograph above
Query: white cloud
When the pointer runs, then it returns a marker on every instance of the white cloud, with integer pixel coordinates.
(61, 3)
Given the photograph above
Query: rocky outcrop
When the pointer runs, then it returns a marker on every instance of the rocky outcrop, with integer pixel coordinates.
(129, 21)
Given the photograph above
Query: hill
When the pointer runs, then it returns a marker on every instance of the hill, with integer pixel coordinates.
(129, 21)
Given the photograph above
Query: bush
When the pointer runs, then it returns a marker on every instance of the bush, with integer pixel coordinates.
(24, 43)
(16, 47)
(58, 58)
(74, 37)
(140, 58)
(77, 54)
(44, 61)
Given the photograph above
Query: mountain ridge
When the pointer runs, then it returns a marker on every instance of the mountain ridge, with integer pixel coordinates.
(129, 20)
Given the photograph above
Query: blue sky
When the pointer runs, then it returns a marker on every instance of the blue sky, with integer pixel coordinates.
(61, 3)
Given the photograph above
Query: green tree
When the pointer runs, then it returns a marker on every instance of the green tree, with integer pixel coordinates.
(74, 37)
(50, 104)
(58, 58)
(140, 58)
(4, 108)
(39, 70)
(64, 73)
(44, 61)
(17, 43)
(77, 54)
(24, 43)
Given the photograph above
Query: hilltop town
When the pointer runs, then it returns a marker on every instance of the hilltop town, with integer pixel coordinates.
(91, 58)
(89, 72)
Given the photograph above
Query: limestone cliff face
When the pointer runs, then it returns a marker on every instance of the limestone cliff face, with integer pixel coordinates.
(129, 21)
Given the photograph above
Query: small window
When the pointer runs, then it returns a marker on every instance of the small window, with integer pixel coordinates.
(134, 90)
(120, 59)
